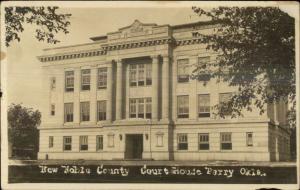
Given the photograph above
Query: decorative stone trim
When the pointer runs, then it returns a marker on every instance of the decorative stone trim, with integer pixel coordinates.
(118, 46)
(188, 41)
(105, 48)
(128, 45)
(71, 55)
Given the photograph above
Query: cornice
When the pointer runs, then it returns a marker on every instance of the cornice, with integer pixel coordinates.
(71, 55)
(118, 46)
(189, 41)
(136, 44)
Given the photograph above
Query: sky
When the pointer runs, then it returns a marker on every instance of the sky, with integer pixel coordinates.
(24, 70)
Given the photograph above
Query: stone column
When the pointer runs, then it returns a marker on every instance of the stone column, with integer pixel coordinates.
(126, 100)
(174, 89)
(77, 90)
(275, 112)
(119, 90)
(93, 94)
(165, 87)
(193, 107)
(109, 92)
(155, 86)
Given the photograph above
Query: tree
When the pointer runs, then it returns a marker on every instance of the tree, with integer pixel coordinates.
(257, 55)
(47, 20)
(22, 129)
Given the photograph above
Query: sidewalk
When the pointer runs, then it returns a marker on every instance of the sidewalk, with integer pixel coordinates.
(150, 163)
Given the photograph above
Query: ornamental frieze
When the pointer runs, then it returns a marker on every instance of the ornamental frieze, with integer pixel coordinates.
(118, 46)
(71, 55)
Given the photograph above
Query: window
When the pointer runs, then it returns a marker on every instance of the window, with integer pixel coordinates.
(183, 106)
(52, 83)
(84, 111)
(148, 74)
(202, 63)
(52, 109)
(140, 74)
(102, 78)
(111, 140)
(101, 110)
(68, 112)
(99, 142)
(140, 108)
(69, 81)
(223, 98)
(67, 143)
(203, 105)
(183, 70)
(132, 108)
(133, 75)
(51, 140)
(148, 108)
(203, 141)
(85, 79)
(226, 141)
(83, 143)
(182, 142)
(159, 139)
(249, 139)
(220, 62)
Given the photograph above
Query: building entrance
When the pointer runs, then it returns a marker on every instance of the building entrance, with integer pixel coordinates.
(134, 146)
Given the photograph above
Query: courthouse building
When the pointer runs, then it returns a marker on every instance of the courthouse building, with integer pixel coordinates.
(129, 95)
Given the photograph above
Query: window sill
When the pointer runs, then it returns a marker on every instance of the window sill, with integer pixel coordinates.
(69, 123)
(205, 119)
(183, 119)
(101, 89)
(86, 123)
(149, 85)
(101, 123)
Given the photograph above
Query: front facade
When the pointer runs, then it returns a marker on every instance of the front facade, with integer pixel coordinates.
(128, 95)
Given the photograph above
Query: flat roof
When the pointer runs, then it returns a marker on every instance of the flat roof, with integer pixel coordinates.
(104, 37)
(179, 26)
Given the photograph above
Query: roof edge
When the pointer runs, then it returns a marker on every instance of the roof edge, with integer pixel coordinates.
(97, 38)
(209, 22)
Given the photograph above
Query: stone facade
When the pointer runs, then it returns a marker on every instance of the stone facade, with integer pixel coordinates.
(163, 135)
